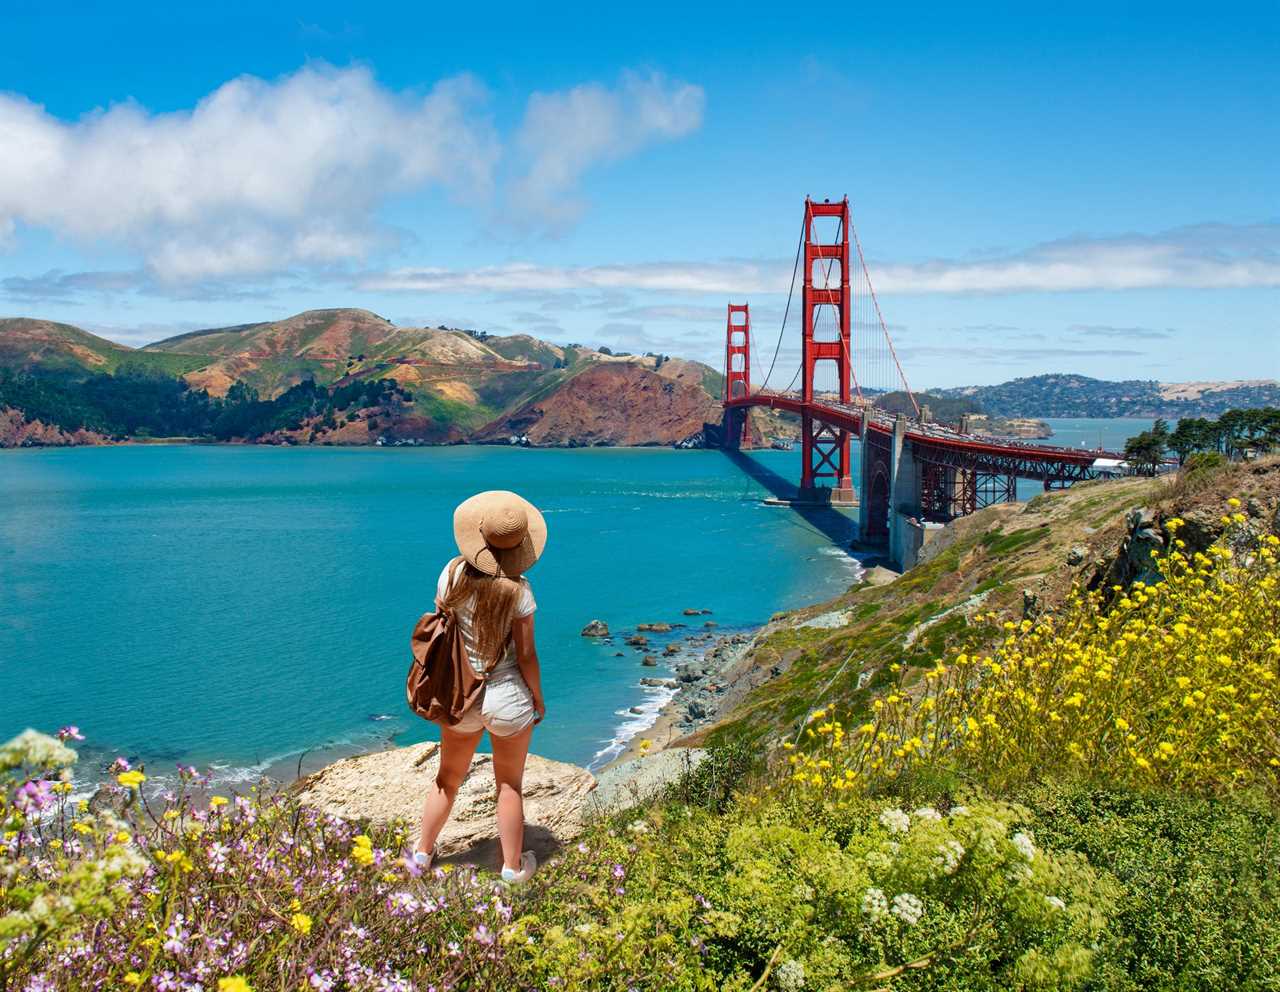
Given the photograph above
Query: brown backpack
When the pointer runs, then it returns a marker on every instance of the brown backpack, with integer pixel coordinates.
(441, 685)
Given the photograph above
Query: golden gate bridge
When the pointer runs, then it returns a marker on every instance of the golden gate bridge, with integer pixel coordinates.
(913, 471)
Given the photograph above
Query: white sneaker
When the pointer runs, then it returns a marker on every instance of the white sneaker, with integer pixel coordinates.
(422, 859)
(528, 865)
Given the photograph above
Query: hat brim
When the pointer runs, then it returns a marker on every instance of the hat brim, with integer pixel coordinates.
(491, 560)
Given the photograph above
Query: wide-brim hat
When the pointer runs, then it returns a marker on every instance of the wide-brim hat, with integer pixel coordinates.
(499, 532)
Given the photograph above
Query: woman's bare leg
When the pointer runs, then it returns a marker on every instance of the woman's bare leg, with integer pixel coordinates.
(509, 754)
(455, 759)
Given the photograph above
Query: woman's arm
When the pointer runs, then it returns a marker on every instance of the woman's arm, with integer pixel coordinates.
(527, 661)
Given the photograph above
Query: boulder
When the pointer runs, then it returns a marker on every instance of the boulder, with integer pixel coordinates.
(671, 649)
(656, 628)
(638, 641)
(695, 613)
(649, 661)
(710, 623)
(391, 785)
(658, 683)
(596, 628)
(1076, 555)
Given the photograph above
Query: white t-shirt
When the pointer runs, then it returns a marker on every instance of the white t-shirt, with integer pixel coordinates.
(524, 607)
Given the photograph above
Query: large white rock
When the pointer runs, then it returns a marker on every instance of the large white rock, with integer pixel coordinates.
(391, 785)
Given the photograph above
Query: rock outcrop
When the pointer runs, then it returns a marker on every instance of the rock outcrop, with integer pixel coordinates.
(609, 403)
(391, 785)
(16, 431)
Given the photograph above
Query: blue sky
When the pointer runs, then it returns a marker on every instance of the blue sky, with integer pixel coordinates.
(1091, 191)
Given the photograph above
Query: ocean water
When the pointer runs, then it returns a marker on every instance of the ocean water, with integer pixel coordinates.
(239, 607)
(235, 607)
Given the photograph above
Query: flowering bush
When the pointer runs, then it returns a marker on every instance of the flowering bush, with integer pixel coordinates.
(1175, 683)
(188, 891)
(874, 898)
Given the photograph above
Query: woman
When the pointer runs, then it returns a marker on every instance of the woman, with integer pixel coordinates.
(500, 535)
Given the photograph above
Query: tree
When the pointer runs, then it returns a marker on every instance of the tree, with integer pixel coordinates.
(1191, 435)
(1145, 451)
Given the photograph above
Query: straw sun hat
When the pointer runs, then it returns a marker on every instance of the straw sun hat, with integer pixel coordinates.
(499, 532)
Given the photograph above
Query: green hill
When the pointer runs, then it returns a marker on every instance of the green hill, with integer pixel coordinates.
(1065, 395)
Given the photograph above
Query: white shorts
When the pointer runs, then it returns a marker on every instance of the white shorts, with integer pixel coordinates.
(506, 708)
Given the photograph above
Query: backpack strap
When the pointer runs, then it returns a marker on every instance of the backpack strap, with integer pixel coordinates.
(452, 580)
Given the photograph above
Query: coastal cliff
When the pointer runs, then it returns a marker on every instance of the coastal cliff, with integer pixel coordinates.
(612, 403)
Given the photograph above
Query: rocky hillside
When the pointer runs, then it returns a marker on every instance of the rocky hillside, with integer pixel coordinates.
(456, 385)
(1081, 396)
(1012, 558)
(610, 403)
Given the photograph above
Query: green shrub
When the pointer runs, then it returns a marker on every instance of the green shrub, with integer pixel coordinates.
(1201, 885)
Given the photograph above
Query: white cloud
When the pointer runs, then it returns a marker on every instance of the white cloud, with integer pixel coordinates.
(256, 177)
(1202, 256)
(523, 277)
(566, 133)
(1206, 256)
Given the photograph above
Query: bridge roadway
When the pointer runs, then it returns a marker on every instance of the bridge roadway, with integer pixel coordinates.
(1021, 459)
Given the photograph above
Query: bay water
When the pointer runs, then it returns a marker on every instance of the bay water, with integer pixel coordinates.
(237, 607)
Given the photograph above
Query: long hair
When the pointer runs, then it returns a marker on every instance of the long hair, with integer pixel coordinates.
(495, 601)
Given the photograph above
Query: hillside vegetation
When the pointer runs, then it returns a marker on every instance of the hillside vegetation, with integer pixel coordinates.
(1063, 395)
(1059, 772)
(452, 385)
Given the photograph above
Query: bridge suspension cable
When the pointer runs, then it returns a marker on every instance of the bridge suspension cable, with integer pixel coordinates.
(871, 291)
(795, 268)
(874, 317)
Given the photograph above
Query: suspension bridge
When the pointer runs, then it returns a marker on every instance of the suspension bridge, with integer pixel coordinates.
(914, 473)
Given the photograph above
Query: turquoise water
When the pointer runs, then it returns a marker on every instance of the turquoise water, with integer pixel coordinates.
(233, 606)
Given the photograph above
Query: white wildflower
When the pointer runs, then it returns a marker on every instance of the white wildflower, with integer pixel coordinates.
(1055, 902)
(639, 827)
(895, 821)
(927, 813)
(1026, 847)
(874, 904)
(908, 908)
(790, 975)
(959, 811)
(1019, 873)
(35, 750)
(948, 857)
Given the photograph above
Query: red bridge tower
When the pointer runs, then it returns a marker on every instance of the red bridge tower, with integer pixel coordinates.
(737, 370)
(825, 449)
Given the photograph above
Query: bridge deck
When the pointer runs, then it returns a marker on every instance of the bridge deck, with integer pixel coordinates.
(934, 436)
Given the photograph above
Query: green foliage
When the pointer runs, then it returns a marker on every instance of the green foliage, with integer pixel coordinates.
(1146, 451)
(1065, 395)
(1234, 434)
(1200, 908)
(947, 409)
(138, 401)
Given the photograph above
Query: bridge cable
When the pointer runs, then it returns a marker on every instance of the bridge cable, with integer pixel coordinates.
(880, 316)
(785, 313)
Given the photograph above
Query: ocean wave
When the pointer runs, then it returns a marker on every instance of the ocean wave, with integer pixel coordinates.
(656, 697)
